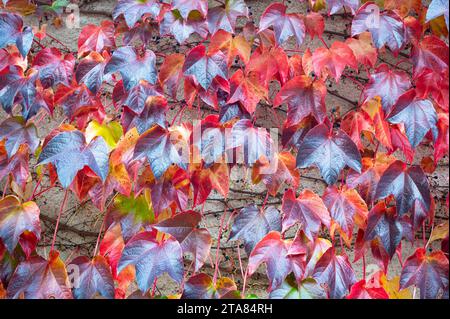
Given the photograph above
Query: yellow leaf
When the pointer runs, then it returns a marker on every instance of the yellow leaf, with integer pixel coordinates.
(392, 287)
(111, 132)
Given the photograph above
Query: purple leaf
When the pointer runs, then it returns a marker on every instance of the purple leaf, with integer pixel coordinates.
(152, 259)
(418, 116)
(407, 184)
(133, 10)
(251, 225)
(224, 17)
(16, 132)
(386, 27)
(12, 31)
(329, 151)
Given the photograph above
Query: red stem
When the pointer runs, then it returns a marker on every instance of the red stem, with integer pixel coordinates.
(61, 209)
(216, 266)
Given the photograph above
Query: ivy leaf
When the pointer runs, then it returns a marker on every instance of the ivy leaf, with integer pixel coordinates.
(154, 112)
(252, 224)
(96, 38)
(306, 289)
(132, 212)
(69, 153)
(16, 87)
(16, 166)
(363, 49)
(314, 24)
(135, 99)
(173, 23)
(187, 6)
(273, 251)
(307, 209)
(431, 53)
(336, 272)
(381, 127)
(255, 142)
(94, 277)
(204, 180)
(170, 191)
(388, 84)
(354, 124)
(204, 67)
(132, 66)
(230, 46)
(386, 29)
(329, 151)
(366, 182)
(184, 228)
(246, 88)
(363, 290)
(38, 278)
(15, 132)
(437, 8)
(17, 218)
(418, 115)
(428, 272)
(157, 146)
(346, 208)
(224, 17)
(133, 10)
(284, 24)
(152, 258)
(171, 72)
(54, 67)
(111, 246)
(406, 184)
(201, 286)
(335, 5)
(271, 64)
(334, 59)
(281, 169)
(13, 32)
(383, 225)
(304, 97)
(90, 71)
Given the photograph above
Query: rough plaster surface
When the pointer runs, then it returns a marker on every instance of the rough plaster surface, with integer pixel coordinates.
(81, 222)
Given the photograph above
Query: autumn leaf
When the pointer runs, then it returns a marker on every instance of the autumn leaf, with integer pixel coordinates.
(133, 10)
(230, 46)
(306, 289)
(361, 290)
(284, 24)
(16, 132)
(418, 116)
(246, 89)
(132, 66)
(436, 9)
(336, 272)
(94, 277)
(307, 209)
(224, 17)
(204, 67)
(38, 278)
(17, 218)
(152, 258)
(388, 84)
(428, 272)
(170, 73)
(252, 224)
(406, 184)
(387, 29)
(96, 38)
(13, 31)
(334, 59)
(346, 208)
(184, 228)
(304, 97)
(329, 151)
(201, 286)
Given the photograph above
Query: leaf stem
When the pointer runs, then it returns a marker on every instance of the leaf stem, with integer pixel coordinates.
(61, 209)
(216, 266)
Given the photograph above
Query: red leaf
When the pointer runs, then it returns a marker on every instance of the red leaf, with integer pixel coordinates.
(361, 290)
(428, 272)
(308, 210)
(96, 38)
(336, 272)
(334, 59)
(284, 24)
(304, 97)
